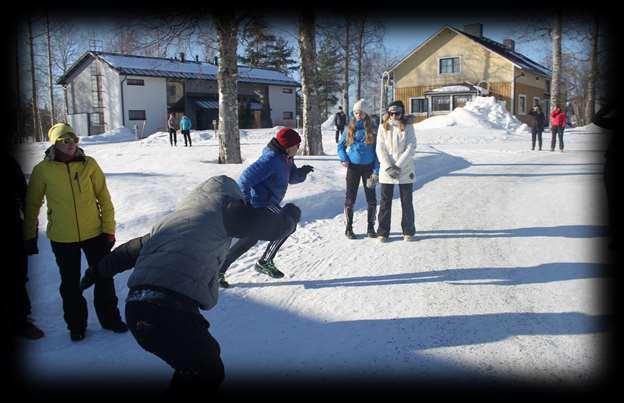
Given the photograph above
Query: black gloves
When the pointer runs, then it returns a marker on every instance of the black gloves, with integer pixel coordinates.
(30, 246)
(306, 169)
(292, 211)
(393, 171)
(88, 279)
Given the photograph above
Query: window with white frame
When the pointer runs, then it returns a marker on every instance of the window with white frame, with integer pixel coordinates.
(459, 101)
(136, 115)
(449, 65)
(287, 115)
(287, 90)
(418, 105)
(522, 104)
(441, 103)
(135, 81)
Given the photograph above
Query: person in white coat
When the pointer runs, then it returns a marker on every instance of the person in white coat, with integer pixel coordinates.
(396, 150)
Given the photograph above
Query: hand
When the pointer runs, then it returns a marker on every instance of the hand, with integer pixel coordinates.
(372, 181)
(88, 279)
(393, 171)
(110, 239)
(344, 164)
(306, 169)
(292, 211)
(30, 247)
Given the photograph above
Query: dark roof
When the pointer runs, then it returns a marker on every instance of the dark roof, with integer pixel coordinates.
(173, 68)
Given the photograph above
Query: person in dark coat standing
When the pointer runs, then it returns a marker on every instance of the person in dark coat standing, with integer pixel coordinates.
(19, 302)
(172, 124)
(557, 126)
(340, 120)
(264, 184)
(175, 276)
(537, 121)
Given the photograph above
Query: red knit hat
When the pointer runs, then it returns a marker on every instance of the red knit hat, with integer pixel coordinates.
(287, 137)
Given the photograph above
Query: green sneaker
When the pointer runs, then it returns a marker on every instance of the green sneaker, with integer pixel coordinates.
(267, 267)
(222, 282)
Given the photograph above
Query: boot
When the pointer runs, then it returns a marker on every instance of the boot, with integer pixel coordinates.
(222, 281)
(349, 219)
(370, 232)
(268, 267)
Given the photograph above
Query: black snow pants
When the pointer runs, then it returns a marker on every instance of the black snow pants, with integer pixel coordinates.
(173, 138)
(557, 131)
(355, 174)
(407, 209)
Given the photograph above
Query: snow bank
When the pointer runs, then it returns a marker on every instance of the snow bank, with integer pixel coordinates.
(114, 136)
(329, 123)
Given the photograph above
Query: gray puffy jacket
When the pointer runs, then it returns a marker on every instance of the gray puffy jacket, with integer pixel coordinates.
(187, 247)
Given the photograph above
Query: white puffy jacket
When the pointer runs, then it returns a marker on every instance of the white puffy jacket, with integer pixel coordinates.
(395, 147)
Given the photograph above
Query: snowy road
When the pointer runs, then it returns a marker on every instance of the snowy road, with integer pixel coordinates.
(505, 279)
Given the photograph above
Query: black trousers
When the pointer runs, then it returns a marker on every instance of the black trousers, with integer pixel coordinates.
(338, 132)
(173, 138)
(556, 131)
(355, 174)
(536, 132)
(182, 340)
(74, 304)
(244, 244)
(187, 137)
(20, 307)
(385, 209)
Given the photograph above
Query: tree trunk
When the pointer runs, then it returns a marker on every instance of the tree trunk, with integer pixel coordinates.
(555, 89)
(347, 60)
(18, 94)
(312, 136)
(590, 108)
(36, 128)
(50, 78)
(227, 76)
(360, 56)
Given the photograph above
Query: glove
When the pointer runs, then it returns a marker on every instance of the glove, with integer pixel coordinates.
(393, 171)
(372, 181)
(88, 279)
(30, 247)
(292, 211)
(306, 169)
(110, 239)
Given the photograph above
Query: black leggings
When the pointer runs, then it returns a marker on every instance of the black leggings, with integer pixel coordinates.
(355, 173)
(173, 138)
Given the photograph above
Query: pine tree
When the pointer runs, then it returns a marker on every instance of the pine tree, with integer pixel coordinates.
(328, 76)
(280, 56)
(259, 43)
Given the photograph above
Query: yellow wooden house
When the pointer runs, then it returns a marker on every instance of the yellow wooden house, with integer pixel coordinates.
(453, 66)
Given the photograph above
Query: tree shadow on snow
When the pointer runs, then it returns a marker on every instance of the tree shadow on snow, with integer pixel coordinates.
(567, 231)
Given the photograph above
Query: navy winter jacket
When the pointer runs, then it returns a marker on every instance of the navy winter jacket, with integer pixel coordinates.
(359, 152)
(264, 183)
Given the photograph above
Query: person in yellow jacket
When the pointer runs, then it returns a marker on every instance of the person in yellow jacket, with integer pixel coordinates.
(80, 217)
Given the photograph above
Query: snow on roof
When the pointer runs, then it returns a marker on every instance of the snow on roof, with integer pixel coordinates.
(190, 69)
(453, 88)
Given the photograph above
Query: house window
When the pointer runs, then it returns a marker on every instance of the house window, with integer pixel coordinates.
(441, 103)
(522, 104)
(287, 90)
(449, 65)
(459, 101)
(418, 105)
(287, 115)
(136, 115)
(135, 81)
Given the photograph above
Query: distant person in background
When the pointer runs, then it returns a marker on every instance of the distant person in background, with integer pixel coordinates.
(396, 150)
(340, 120)
(264, 184)
(537, 121)
(557, 126)
(185, 128)
(19, 303)
(81, 217)
(356, 150)
(172, 124)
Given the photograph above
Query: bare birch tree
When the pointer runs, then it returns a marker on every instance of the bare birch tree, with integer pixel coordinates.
(590, 108)
(555, 83)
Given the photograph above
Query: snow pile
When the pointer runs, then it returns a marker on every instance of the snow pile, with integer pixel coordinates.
(114, 136)
(329, 123)
(480, 113)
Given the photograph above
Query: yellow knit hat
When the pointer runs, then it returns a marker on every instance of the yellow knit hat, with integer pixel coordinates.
(59, 130)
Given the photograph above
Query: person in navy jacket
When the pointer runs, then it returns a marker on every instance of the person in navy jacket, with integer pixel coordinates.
(356, 150)
(264, 184)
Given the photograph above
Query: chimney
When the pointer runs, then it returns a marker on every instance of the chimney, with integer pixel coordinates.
(509, 44)
(474, 29)
(196, 58)
(216, 60)
(182, 56)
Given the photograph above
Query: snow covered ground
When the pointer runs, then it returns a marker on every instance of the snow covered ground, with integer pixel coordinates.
(504, 282)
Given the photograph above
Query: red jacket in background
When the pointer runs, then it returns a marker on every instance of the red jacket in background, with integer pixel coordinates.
(558, 118)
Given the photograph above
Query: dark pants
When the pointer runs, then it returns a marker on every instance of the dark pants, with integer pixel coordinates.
(536, 132)
(556, 131)
(355, 174)
(20, 306)
(74, 304)
(173, 138)
(338, 132)
(385, 209)
(187, 137)
(244, 244)
(182, 340)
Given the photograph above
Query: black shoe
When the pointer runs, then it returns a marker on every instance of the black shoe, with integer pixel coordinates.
(77, 335)
(349, 234)
(371, 233)
(117, 327)
(29, 331)
(222, 282)
(267, 267)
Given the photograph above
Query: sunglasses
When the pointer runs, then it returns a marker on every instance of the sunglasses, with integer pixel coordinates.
(68, 140)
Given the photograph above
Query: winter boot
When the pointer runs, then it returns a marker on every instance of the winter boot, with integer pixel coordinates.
(349, 221)
(370, 232)
(118, 326)
(28, 330)
(222, 282)
(267, 267)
